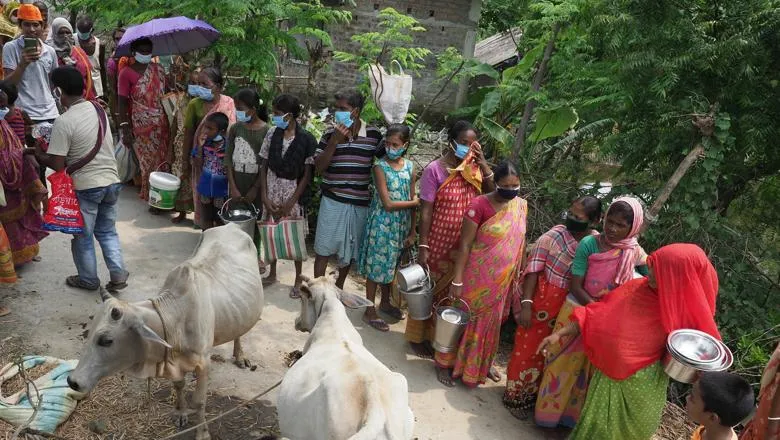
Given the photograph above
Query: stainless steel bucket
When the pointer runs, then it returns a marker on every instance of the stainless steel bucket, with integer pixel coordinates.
(451, 322)
(419, 301)
(412, 277)
(245, 218)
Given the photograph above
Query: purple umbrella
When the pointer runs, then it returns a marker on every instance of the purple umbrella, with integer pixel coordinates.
(175, 35)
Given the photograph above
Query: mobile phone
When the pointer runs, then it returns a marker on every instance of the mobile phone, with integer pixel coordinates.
(30, 43)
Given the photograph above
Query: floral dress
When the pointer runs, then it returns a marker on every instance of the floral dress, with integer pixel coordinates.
(386, 230)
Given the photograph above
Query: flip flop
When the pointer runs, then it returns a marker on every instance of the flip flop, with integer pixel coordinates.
(295, 293)
(4, 311)
(393, 312)
(378, 324)
(78, 283)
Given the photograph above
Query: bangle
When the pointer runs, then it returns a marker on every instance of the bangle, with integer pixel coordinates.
(527, 301)
(457, 284)
(124, 124)
(773, 419)
(424, 246)
(490, 176)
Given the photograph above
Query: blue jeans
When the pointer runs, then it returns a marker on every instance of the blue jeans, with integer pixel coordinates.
(98, 206)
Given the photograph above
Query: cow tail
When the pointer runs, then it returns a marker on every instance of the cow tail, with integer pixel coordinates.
(375, 417)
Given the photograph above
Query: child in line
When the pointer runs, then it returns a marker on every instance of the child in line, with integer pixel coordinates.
(718, 402)
(210, 158)
(391, 223)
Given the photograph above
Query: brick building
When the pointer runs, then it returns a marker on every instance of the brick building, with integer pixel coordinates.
(449, 23)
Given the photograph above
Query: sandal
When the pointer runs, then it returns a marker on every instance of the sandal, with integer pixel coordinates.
(378, 324)
(295, 293)
(78, 283)
(393, 312)
(269, 281)
(4, 311)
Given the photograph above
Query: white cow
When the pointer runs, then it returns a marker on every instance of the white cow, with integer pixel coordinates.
(214, 297)
(338, 390)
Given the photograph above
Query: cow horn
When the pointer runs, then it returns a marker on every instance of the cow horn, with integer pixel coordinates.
(104, 295)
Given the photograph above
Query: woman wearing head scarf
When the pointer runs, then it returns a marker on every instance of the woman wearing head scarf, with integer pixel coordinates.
(68, 54)
(624, 337)
(601, 263)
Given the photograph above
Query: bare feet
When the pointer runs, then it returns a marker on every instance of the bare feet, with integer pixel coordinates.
(423, 350)
(494, 375)
(4, 310)
(179, 218)
(444, 375)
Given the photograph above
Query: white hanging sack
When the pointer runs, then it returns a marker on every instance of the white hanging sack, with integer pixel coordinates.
(391, 93)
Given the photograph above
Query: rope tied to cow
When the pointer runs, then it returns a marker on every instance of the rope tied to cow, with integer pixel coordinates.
(217, 417)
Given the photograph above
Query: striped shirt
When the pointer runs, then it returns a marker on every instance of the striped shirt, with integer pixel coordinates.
(348, 175)
(553, 253)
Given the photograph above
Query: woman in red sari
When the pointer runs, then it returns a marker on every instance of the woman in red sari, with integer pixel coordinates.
(766, 423)
(142, 118)
(624, 336)
(447, 187)
(545, 284)
(492, 242)
(68, 54)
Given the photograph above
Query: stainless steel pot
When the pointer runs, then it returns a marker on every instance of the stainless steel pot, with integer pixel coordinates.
(451, 322)
(419, 301)
(686, 369)
(695, 347)
(244, 218)
(412, 277)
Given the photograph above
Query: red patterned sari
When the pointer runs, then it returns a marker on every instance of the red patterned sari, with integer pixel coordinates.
(85, 68)
(452, 199)
(495, 255)
(150, 124)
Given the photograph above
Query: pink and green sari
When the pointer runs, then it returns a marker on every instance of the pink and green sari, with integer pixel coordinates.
(495, 256)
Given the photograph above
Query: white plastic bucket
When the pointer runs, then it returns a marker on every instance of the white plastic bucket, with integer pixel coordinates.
(163, 188)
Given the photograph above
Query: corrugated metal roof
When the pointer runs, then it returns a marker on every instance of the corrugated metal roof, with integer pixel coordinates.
(498, 48)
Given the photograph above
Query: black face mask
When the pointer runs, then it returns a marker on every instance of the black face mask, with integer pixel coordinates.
(507, 193)
(575, 225)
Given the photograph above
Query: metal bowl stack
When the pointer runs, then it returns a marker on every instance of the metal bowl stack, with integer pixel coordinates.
(690, 351)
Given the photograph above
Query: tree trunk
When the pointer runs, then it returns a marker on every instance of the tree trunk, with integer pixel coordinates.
(663, 196)
(519, 144)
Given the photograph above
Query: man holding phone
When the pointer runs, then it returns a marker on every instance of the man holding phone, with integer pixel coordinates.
(27, 63)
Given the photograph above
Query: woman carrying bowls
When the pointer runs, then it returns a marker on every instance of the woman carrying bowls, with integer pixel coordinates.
(447, 187)
(601, 263)
(492, 241)
(625, 336)
(545, 284)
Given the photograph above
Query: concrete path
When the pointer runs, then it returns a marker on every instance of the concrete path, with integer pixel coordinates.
(49, 317)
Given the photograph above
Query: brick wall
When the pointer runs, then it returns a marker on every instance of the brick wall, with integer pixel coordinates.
(447, 23)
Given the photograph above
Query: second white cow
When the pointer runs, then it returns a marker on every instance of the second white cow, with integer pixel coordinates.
(338, 390)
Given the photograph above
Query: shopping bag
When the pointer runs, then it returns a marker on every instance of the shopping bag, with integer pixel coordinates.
(285, 240)
(126, 162)
(63, 213)
(391, 93)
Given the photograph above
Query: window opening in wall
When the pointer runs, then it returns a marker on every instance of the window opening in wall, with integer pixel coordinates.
(376, 6)
(409, 10)
(442, 28)
(431, 13)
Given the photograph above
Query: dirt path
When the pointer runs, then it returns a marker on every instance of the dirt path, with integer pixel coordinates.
(50, 318)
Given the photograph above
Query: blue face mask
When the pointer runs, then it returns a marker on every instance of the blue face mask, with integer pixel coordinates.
(217, 138)
(395, 154)
(241, 116)
(206, 94)
(280, 122)
(4, 111)
(344, 118)
(84, 36)
(193, 90)
(143, 59)
(461, 150)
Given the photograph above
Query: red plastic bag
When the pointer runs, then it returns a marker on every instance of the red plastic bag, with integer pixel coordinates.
(63, 213)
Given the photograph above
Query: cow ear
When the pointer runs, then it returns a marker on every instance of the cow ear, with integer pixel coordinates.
(147, 333)
(353, 301)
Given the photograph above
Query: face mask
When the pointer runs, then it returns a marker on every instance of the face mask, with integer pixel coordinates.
(241, 116)
(461, 150)
(143, 59)
(3, 111)
(206, 94)
(193, 90)
(344, 118)
(217, 138)
(395, 154)
(280, 122)
(507, 193)
(575, 225)
(84, 36)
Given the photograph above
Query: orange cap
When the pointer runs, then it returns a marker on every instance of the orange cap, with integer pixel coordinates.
(29, 13)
